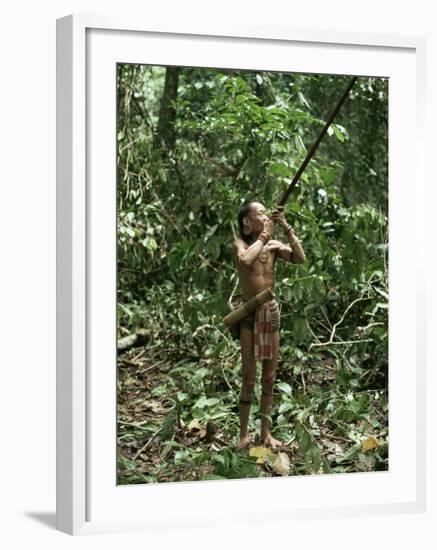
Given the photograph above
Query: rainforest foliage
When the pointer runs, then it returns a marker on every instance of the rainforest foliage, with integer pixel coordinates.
(192, 145)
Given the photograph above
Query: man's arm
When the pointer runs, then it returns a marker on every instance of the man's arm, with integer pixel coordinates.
(246, 254)
(294, 251)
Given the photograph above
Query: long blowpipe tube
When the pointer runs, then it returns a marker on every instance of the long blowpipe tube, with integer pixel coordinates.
(316, 144)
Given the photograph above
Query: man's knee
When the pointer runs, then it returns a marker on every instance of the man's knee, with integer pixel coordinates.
(246, 394)
(267, 383)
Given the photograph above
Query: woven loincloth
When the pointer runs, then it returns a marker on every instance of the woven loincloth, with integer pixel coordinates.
(263, 322)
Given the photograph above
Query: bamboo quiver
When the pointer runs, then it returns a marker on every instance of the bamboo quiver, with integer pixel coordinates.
(249, 306)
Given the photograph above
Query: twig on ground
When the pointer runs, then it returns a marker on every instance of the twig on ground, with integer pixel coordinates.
(342, 343)
(144, 447)
(334, 328)
(154, 366)
(335, 437)
(139, 355)
(133, 424)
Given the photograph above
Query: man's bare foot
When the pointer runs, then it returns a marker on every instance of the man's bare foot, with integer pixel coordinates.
(270, 441)
(243, 443)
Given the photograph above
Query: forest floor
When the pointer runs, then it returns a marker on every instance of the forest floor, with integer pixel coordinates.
(166, 433)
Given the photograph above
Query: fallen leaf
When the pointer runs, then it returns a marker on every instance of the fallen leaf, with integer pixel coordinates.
(281, 464)
(337, 449)
(370, 443)
(154, 405)
(196, 427)
(261, 454)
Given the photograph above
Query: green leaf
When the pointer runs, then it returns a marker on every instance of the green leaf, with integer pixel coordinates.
(211, 401)
(303, 100)
(182, 396)
(150, 243)
(299, 144)
(285, 388)
(316, 458)
(285, 407)
(200, 403)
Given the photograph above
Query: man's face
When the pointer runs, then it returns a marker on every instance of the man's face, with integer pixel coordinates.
(257, 217)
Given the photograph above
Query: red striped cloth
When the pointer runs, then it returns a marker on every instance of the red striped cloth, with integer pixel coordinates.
(262, 333)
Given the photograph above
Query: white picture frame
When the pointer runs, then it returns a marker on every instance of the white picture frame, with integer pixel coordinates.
(86, 500)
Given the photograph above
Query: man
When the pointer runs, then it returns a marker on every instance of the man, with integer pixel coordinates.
(255, 256)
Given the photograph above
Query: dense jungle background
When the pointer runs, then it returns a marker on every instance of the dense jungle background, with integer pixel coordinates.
(192, 145)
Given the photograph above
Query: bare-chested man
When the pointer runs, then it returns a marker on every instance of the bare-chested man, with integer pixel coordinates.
(255, 255)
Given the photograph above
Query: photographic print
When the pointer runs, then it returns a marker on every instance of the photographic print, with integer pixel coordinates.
(252, 274)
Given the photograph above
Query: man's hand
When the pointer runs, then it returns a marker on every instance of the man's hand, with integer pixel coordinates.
(269, 227)
(278, 217)
(274, 245)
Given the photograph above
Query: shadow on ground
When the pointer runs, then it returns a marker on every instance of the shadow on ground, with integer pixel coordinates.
(46, 518)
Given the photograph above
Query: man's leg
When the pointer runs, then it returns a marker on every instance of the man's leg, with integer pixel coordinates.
(248, 384)
(268, 381)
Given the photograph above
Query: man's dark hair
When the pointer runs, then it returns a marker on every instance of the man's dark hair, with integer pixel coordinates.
(242, 213)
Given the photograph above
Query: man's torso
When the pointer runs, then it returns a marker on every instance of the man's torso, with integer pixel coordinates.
(259, 275)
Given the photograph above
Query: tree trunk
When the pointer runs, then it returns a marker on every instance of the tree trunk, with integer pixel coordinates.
(165, 135)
